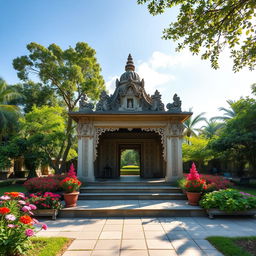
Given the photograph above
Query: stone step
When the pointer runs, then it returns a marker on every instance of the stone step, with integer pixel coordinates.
(113, 183)
(131, 196)
(130, 189)
(135, 208)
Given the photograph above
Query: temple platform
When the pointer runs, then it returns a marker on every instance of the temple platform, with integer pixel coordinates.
(136, 208)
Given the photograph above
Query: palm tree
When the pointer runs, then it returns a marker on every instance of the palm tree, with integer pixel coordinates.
(211, 128)
(190, 124)
(8, 113)
(229, 113)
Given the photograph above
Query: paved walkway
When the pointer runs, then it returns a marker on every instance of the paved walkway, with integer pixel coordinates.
(146, 236)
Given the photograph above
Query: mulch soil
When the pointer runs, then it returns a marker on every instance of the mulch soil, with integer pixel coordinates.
(247, 245)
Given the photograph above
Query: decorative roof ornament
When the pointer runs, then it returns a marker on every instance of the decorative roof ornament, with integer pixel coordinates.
(84, 105)
(157, 104)
(129, 64)
(176, 105)
(104, 102)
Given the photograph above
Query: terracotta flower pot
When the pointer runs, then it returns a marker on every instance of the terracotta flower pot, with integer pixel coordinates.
(71, 199)
(193, 197)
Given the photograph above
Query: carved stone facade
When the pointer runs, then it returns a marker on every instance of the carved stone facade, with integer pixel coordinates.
(130, 118)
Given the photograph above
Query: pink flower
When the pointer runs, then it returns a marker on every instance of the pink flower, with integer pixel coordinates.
(29, 232)
(21, 202)
(44, 226)
(193, 174)
(25, 208)
(5, 198)
(11, 226)
(32, 207)
(10, 217)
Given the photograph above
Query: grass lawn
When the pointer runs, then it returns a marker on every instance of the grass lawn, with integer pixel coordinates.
(49, 246)
(12, 188)
(246, 190)
(235, 246)
(132, 171)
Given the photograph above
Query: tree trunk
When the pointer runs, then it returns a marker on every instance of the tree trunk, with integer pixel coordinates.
(69, 144)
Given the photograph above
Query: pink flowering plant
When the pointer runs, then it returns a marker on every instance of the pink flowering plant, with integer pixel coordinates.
(193, 181)
(17, 224)
(47, 200)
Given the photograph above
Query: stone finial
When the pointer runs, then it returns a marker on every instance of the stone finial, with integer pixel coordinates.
(129, 64)
(84, 105)
(157, 103)
(176, 105)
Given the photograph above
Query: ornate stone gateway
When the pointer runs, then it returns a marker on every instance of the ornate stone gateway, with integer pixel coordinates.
(130, 118)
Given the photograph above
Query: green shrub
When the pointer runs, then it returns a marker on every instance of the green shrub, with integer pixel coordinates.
(131, 167)
(130, 171)
(228, 200)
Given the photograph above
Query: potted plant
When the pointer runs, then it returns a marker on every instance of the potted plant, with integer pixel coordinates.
(194, 186)
(48, 204)
(229, 202)
(70, 185)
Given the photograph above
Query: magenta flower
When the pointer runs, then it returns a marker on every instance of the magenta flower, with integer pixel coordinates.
(44, 226)
(10, 217)
(29, 232)
(32, 207)
(25, 208)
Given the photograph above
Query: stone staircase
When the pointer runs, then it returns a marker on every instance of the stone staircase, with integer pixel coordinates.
(138, 199)
(130, 191)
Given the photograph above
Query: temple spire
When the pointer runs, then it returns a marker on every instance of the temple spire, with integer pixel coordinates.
(129, 64)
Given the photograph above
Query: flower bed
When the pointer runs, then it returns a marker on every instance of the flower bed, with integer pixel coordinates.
(213, 183)
(228, 200)
(47, 200)
(16, 224)
(50, 183)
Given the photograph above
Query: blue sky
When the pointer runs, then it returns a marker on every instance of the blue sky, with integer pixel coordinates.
(115, 28)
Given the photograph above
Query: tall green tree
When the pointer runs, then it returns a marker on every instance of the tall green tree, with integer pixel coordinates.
(191, 123)
(228, 112)
(207, 26)
(36, 94)
(238, 138)
(9, 114)
(211, 129)
(71, 72)
(40, 138)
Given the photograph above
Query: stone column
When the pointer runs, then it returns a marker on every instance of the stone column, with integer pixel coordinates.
(174, 167)
(85, 132)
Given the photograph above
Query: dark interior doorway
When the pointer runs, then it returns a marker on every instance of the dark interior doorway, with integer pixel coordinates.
(130, 160)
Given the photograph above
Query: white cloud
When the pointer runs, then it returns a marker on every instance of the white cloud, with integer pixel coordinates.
(111, 84)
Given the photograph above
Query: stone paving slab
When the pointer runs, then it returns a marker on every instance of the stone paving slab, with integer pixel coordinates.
(170, 236)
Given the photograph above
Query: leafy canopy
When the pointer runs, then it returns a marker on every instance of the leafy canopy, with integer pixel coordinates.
(72, 72)
(197, 150)
(36, 94)
(210, 25)
(238, 138)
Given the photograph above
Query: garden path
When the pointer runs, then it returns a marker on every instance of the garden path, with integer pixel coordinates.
(183, 236)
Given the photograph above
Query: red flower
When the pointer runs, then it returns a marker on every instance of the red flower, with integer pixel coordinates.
(4, 210)
(25, 219)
